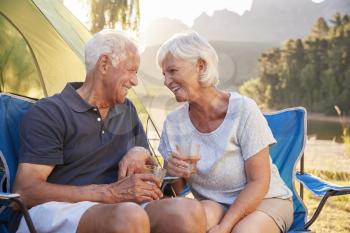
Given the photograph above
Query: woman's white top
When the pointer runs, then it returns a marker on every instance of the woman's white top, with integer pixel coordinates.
(220, 171)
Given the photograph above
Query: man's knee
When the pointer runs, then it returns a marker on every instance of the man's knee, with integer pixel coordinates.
(129, 217)
(192, 215)
(191, 210)
(115, 218)
(177, 215)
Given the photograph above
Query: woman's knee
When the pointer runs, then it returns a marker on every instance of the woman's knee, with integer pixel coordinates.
(214, 212)
(256, 222)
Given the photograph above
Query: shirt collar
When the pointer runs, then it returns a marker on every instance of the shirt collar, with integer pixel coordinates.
(117, 109)
(73, 99)
(78, 104)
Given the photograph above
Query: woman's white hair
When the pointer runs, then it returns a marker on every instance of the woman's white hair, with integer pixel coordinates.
(190, 46)
(109, 42)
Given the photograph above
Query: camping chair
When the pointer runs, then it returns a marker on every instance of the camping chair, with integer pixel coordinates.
(289, 129)
(12, 109)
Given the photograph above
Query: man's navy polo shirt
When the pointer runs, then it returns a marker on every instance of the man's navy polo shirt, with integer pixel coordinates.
(65, 131)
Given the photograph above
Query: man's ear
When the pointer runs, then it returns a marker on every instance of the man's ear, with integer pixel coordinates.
(201, 65)
(102, 63)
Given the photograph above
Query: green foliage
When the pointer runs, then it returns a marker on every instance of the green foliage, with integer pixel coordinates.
(313, 72)
(126, 13)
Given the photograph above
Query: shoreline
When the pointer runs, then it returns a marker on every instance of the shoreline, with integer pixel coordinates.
(323, 117)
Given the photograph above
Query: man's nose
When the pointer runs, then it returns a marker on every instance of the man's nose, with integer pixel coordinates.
(134, 80)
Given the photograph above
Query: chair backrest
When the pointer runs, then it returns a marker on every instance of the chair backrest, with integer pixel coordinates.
(289, 129)
(12, 109)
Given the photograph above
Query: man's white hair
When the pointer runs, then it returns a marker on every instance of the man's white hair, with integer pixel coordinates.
(109, 42)
(190, 46)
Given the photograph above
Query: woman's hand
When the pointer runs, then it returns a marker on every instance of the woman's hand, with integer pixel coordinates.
(178, 165)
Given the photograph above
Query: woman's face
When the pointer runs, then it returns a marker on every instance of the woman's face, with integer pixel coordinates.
(182, 78)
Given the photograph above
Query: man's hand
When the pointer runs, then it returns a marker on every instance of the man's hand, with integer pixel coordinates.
(134, 161)
(138, 188)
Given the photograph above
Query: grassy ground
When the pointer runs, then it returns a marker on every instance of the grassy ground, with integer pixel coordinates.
(329, 161)
(335, 216)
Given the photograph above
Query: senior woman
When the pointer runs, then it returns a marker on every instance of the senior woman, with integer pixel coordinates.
(235, 179)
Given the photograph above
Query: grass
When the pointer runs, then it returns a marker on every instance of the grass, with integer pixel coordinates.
(335, 216)
(346, 139)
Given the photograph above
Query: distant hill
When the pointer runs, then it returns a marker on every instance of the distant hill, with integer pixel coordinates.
(161, 29)
(267, 21)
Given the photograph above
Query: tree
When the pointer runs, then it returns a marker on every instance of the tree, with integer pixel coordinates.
(314, 72)
(125, 13)
(319, 30)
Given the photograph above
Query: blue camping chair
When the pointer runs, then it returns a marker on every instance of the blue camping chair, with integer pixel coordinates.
(12, 109)
(289, 129)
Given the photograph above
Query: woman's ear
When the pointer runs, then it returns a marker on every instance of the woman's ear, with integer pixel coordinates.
(201, 65)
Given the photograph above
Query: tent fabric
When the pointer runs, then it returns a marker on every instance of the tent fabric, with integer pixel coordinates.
(319, 187)
(69, 28)
(57, 48)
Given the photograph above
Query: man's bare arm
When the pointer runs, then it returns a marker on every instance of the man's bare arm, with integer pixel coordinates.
(31, 183)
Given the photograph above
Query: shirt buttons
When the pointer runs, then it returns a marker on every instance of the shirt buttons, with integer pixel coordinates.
(103, 132)
(99, 119)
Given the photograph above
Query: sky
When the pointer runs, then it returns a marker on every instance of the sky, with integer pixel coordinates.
(184, 10)
(187, 10)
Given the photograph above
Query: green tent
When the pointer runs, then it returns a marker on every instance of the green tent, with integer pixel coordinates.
(41, 47)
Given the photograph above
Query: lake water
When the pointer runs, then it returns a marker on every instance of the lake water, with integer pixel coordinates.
(324, 130)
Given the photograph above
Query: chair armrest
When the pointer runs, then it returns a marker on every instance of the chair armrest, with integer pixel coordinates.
(168, 189)
(14, 197)
(185, 191)
(301, 231)
(320, 187)
(8, 196)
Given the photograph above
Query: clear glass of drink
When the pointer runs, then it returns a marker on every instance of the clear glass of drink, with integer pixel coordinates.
(158, 171)
(191, 152)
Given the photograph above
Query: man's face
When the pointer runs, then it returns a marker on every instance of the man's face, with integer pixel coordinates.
(120, 79)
